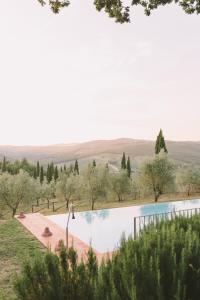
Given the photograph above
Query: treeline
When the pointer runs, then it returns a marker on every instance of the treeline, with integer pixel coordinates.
(163, 263)
(96, 182)
(50, 171)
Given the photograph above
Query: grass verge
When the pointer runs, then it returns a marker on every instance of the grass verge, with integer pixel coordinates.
(16, 245)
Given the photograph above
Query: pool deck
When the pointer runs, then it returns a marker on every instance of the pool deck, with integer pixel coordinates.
(36, 223)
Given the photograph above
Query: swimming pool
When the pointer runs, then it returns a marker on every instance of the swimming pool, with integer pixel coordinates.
(102, 229)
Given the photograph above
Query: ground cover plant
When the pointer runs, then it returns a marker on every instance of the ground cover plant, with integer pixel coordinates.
(162, 263)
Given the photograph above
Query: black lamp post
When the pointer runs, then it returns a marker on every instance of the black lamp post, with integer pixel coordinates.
(70, 210)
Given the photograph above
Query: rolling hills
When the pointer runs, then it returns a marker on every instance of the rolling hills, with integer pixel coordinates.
(102, 151)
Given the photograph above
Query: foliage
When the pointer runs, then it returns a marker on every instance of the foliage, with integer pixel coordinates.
(160, 143)
(162, 264)
(128, 167)
(76, 168)
(188, 179)
(119, 10)
(95, 182)
(123, 161)
(157, 175)
(120, 184)
(16, 189)
(66, 187)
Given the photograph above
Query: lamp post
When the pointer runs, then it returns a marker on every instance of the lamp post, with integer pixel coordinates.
(70, 210)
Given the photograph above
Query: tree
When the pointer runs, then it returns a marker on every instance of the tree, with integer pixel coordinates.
(16, 190)
(41, 174)
(50, 172)
(48, 190)
(123, 161)
(95, 185)
(66, 187)
(188, 180)
(56, 173)
(38, 169)
(94, 163)
(120, 184)
(76, 168)
(128, 166)
(160, 143)
(4, 165)
(119, 10)
(157, 175)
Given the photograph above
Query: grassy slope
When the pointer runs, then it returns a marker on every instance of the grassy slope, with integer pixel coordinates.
(16, 245)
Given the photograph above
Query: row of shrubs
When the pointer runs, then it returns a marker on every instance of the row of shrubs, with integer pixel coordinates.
(163, 263)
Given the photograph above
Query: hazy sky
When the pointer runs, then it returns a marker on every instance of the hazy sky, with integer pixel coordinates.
(79, 76)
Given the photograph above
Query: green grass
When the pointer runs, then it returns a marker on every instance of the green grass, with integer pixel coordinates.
(16, 246)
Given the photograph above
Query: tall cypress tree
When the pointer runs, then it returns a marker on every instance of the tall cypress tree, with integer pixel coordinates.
(128, 166)
(76, 168)
(4, 165)
(94, 163)
(56, 173)
(35, 173)
(160, 143)
(123, 161)
(48, 173)
(41, 174)
(51, 171)
(38, 169)
(65, 168)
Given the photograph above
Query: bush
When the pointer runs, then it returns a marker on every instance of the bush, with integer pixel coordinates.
(162, 264)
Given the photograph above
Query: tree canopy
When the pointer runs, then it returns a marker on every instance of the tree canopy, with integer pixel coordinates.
(119, 10)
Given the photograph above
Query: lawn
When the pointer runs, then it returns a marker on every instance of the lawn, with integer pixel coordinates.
(16, 245)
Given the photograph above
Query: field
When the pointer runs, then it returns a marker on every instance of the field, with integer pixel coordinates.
(16, 246)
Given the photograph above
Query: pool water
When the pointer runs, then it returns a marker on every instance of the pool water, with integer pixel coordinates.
(102, 229)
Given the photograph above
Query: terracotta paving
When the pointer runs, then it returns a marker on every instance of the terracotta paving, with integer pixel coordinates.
(36, 224)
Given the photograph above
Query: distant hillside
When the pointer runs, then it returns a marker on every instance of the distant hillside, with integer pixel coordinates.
(103, 151)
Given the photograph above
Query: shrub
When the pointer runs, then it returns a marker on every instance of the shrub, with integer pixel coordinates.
(162, 264)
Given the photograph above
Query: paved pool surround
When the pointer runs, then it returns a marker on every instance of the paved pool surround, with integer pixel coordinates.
(36, 223)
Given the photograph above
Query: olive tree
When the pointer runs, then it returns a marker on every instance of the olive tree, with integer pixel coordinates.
(188, 180)
(16, 190)
(67, 187)
(157, 175)
(120, 184)
(95, 182)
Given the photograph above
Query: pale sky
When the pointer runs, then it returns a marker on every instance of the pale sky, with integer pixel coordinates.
(80, 76)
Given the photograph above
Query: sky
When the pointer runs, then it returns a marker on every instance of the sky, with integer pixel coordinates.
(79, 76)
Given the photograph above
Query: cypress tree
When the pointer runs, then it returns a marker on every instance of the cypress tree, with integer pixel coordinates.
(160, 143)
(76, 168)
(61, 169)
(65, 168)
(48, 173)
(94, 163)
(123, 161)
(41, 174)
(38, 169)
(35, 173)
(56, 173)
(4, 165)
(51, 171)
(128, 166)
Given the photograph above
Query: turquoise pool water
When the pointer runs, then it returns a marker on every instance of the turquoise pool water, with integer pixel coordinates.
(102, 229)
